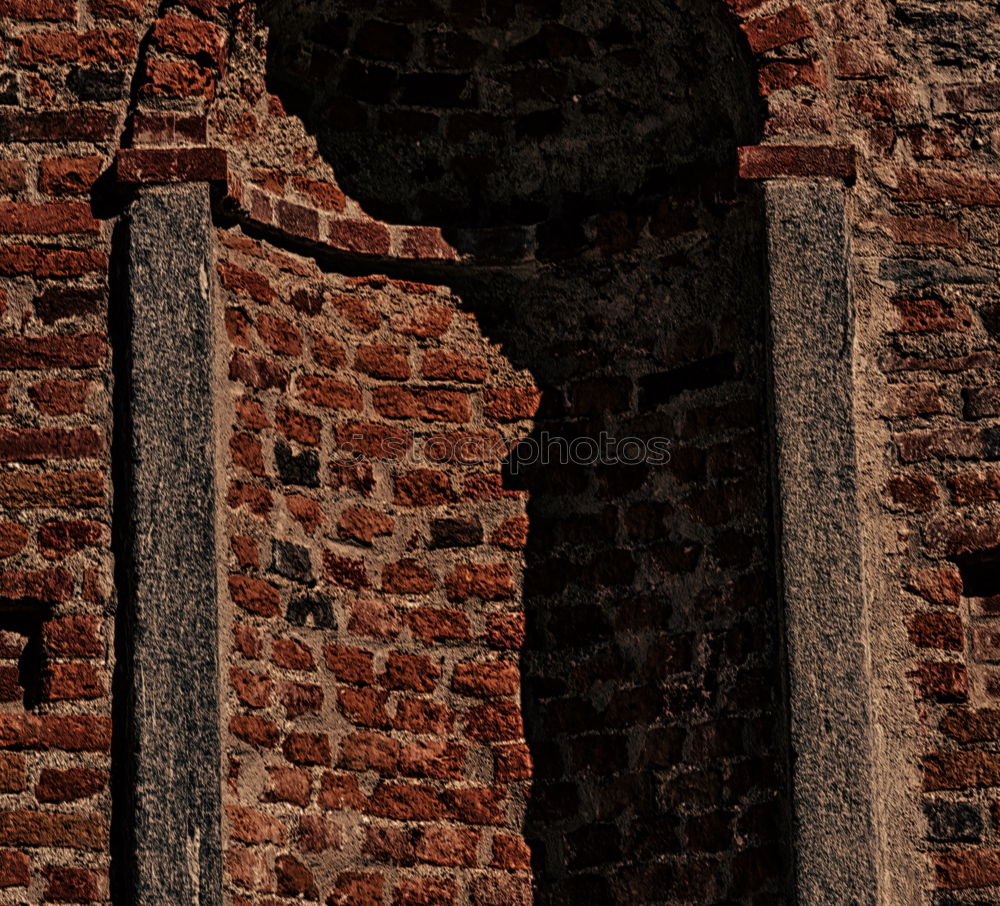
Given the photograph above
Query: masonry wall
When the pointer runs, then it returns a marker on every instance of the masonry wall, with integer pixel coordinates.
(912, 88)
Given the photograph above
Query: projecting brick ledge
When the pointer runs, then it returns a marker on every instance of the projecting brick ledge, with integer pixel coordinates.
(150, 166)
(778, 161)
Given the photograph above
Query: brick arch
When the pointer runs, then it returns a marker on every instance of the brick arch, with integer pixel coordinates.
(184, 60)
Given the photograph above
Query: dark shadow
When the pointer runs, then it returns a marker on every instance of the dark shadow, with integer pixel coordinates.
(651, 672)
(122, 845)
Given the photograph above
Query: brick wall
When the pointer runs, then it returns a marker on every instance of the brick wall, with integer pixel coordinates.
(644, 692)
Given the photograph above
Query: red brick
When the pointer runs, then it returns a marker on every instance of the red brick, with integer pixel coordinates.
(294, 879)
(254, 595)
(82, 124)
(426, 322)
(413, 672)
(941, 681)
(324, 195)
(190, 38)
(365, 237)
(74, 636)
(355, 888)
(249, 869)
(15, 869)
(291, 785)
(908, 400)
(482, 805)
(431, 624)
(24, 260)
(963, 188)
(339, 791)
(350, 665)
(404, 802)
(38, 10)
(307, 749)
(511, 403)
(175, 79)
(383, 361)
(13, 537)
(939, 586)
(297, 426)
(47, 585)
(77, 830)
(376, 619)
(407, 577)
(511, 852)
(448, 846)
(13, 777)
(326, 351)
(364, 525)
(253, 690)
(466, 447)
(418, 715)
(78, 733)
(423, 487)
(349, 572)
(364, 707)
(40, 444)
(956, 870)
(246, 283)
(153, 127)
(510, 889)
(116, 9)
(150, 166)
(328, 393)
(786, 74)
(257, 372)
(486, 678)
(925, 231)
(252, 826)
(292, 655)
(257, 731)
(316, 835)
(13, 177)
(425, 892)
(495, 722)
(921, 315)
(427, 405)
(936, 630)
(72, 682)
(452, 366)
(974, 487)
(770, 161)
(939, 443)
(768, 32)
(69, 785)
(432, 758)
(487, 581)
(60, 397)
(917, 493)
(961, 770)
(369, 751)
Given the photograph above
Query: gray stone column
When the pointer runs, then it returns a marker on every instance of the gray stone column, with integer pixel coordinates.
(171, 554)
(829, 670)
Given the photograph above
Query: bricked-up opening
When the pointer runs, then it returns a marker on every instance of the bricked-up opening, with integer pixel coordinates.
(492, 112)
(558, 683)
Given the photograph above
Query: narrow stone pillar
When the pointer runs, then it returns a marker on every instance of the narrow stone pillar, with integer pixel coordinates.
(171, 552)
(829, 671)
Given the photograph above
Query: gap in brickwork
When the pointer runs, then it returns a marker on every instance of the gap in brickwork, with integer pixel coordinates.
(498, 113)
(647, 678)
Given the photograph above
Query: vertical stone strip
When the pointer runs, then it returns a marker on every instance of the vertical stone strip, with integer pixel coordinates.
(829, 671)
(172, 552)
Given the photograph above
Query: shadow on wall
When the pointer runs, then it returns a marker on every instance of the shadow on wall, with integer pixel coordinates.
(651, 685)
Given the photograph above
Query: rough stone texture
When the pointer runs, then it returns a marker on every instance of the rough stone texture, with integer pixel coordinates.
(826, 619)
(172, 610)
